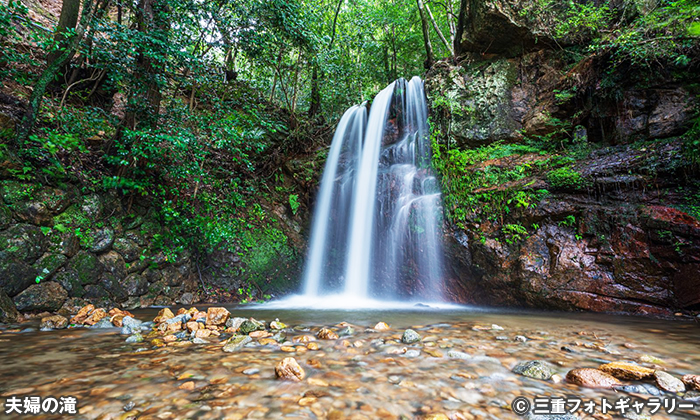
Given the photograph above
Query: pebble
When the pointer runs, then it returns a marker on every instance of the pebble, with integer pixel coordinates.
(454, 354)
(103, 323)
(520, 338)
(236, 343)
(250, 325)
(251, 371)
(692, 381)
(55, 322)
(668, 382)
(288, 369)
(628, 371)
(536, 369)
(640, 389)
(592, 378)
(410, 337)
(412, 353)
(134, 338)
(326, 334)
(382, 326)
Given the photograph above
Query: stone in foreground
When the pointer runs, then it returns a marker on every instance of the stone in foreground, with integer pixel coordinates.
(55, 322)
(217, 316)
(536, 369)
(622, 370)
(692, 381)
(288, 369)
(236, 343)
(410, 337)
(592, 378)
(668, 382)
(326, 334)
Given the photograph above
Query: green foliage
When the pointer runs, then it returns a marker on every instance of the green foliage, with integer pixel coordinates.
(514, 233)
(565, 177)
(294, 203)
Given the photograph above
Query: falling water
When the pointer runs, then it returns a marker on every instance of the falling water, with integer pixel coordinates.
(376, 226)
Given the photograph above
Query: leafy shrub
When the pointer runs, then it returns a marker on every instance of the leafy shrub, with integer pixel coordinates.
(565, 177)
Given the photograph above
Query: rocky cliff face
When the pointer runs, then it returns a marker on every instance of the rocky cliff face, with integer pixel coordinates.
(60, 249)
(564, 192)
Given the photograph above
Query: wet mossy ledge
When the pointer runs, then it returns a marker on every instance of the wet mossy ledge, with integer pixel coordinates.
(61, 249)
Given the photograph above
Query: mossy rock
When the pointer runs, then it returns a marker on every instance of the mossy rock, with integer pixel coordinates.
(14, 192)
(5, 216)
(48, 296)
(8, 310)
(49, 264)
(71, 282)
(23, 241)
(15, 274)
(112, 284)
(87, 266)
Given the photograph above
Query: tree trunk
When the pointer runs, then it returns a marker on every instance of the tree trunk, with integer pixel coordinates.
(315, 105)
(426, 36)
(439, 32)
(70, 11)
(150, 17)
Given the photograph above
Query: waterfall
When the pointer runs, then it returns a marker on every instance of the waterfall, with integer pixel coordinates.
(376, 226)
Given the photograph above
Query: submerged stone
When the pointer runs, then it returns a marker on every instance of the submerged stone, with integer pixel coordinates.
(288, 369)
(235, 343)
(622, 370)
(536, 369)
(592, 378)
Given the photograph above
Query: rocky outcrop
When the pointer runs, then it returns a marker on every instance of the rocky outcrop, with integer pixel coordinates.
(621, 233)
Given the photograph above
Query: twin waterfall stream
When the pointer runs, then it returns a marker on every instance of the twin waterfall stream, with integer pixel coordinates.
(376, 226)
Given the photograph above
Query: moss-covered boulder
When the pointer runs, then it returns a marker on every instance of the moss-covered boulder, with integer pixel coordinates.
(15, 274)
(101, 240)
(49, 264)
(45, 296)
(5, 216)
(34, 212)
(127, 248)
(135, 285)
(70, 281)
(8, 310)
(87, 266)
(23, 241)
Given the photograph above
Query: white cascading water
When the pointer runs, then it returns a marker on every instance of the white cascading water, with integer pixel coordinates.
(376, 227)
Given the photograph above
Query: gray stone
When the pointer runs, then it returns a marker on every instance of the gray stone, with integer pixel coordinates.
(251, 371)
(412, 353)
(102, 240)
(187, 298)
(640, 389)
(15, 275)
(134, 338)
(136, 285)
(87, 266)
(534, 369)
(236, 343)
(410, 337)
(103, 323)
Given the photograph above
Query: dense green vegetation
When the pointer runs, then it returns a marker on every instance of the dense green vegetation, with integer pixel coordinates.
(194, 107)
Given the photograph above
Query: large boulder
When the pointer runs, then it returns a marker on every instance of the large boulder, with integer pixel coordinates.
(87, 266)
(45, 296)
(8, 310)
(15, 274)
(23, 241)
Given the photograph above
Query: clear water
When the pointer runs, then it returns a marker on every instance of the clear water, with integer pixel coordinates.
(369, 379)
